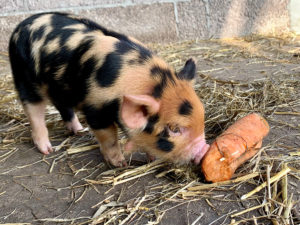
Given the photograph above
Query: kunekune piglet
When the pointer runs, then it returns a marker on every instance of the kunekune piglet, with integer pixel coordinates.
(114, 80)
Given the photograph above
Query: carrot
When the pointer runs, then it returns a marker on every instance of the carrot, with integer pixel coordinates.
(237, 144)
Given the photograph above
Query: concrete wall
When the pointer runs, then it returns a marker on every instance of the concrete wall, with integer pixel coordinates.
(161, 20)
(295, 15)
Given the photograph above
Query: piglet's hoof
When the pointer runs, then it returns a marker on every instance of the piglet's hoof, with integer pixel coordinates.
(117, 163)
(123, 163)
(150, 157)
(74, 126)
(44, 147)
(116, 160)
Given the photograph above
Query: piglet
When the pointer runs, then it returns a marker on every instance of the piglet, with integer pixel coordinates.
(114, 80)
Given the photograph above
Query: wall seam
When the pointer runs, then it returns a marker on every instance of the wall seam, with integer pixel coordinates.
(176, 18)
(207, 13)
(88, 7)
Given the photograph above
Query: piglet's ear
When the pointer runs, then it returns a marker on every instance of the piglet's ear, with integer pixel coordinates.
(188, 72)
(136, 109)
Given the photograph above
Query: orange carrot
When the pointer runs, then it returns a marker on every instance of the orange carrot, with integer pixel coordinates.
(237, 144)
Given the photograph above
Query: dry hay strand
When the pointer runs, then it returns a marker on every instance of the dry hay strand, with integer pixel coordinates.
(225, 102)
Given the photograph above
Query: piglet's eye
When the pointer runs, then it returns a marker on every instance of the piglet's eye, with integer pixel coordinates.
(174, 130)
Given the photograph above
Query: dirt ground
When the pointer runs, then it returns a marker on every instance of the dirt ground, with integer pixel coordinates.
(58, 189)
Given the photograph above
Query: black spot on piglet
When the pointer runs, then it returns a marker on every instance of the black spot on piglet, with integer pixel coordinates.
(110, 70)
(38, 34)
(101, 118)
(164, 145)
(185, 108)
(165, 75)
(151, 123)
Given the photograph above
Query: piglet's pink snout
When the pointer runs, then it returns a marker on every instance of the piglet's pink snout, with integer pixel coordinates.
(199, 150)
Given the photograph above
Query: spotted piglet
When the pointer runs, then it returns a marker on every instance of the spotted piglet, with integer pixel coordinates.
(114, 80)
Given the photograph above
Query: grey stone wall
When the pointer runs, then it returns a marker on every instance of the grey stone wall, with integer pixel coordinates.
(294, 10)
(161, 20)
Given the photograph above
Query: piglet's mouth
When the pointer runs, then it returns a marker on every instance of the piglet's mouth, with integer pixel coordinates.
(200, 154)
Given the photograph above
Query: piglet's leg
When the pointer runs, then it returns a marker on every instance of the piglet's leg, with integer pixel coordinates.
(36, 115)
(110, 148)
(74, 125)
(69, 117)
